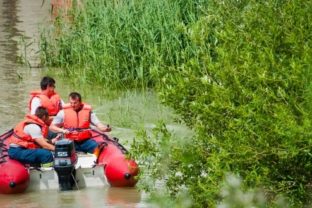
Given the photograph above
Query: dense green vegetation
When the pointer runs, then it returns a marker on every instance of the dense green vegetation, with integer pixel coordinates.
(237, 72)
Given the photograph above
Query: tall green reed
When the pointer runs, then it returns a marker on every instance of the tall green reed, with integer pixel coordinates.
(118, 43)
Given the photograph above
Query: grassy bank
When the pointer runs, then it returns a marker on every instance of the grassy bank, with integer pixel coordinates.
(237, 72)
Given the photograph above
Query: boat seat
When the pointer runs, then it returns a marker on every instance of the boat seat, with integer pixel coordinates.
(85, 160)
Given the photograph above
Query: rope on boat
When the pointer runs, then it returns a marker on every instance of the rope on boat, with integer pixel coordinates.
(3, 158)
(75, 181)
(114, 141)
(6, 135)
(3, 148)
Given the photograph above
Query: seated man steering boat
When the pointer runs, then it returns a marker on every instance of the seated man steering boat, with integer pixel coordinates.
(75, 120)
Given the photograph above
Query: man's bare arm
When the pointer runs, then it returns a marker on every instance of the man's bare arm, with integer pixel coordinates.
(44, 144)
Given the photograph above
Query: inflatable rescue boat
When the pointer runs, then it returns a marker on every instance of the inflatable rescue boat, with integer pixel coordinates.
(71, 170)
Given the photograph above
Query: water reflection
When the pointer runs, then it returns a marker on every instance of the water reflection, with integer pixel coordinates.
(90, 198)
(8, 20)
(15, 80)
(123, 197)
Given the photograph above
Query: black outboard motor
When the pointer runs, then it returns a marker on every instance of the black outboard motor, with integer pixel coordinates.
(65, 159)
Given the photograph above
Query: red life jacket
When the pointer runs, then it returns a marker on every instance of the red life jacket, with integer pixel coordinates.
(77, 122)
(20, 138)
(52, 103)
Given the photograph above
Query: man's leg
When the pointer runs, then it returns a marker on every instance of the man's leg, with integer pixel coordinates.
(88, 145)
(30, 156)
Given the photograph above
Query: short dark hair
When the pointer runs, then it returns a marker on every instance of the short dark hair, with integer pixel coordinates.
(75, 96)
(41, 112)
(46, 81)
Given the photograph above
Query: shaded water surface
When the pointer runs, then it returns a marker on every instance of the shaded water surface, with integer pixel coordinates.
(19, 39)
(17, 22)
(86, 198)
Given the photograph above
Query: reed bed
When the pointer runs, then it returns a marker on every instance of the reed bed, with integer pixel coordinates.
(119, 43)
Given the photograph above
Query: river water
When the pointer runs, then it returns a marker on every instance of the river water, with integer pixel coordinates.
(20, 23)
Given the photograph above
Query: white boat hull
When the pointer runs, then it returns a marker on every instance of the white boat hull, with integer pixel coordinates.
(87, 175)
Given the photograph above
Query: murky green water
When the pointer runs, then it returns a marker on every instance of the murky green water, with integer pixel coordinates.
(17, 19)
(20, 21)
(86, 198)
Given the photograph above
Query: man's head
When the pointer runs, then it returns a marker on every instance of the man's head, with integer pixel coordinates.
(42, 113)
(48, 84)
(75, 101)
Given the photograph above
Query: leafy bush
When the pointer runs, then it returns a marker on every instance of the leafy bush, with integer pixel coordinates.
(244, 87)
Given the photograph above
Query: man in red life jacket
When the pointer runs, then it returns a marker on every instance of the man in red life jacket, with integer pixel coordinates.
(76, 118)
(28, 143)
(46, 97)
